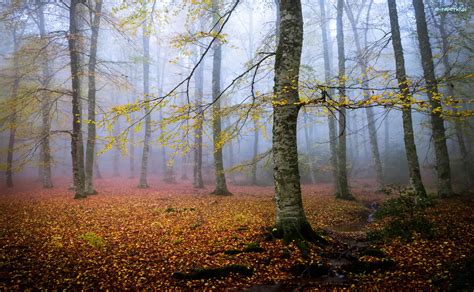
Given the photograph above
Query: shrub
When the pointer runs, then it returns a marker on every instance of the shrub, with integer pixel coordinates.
(405, 216)
(93, 239)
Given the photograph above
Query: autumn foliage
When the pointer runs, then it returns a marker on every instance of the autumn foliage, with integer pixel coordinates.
(171, 236)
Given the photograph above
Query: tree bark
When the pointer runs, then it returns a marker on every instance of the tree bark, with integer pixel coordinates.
(468, 172)
(116, 155)
(291, 222)
(255, 117)
(198, 130)
(327, 80)
(363, 65)
(443, 168)
(344, 192)
(45, 108)
(308, 148)
(12, 120)
(77, 148)
(91, 96)
(416, 182)
(221, 185)
(146, 91)
(97, 172)
(131, 147)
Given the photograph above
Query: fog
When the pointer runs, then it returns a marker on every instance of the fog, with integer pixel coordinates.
(179, 36)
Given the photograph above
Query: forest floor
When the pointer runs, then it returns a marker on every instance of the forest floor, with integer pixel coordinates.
(172, 236)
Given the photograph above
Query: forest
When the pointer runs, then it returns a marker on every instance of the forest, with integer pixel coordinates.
(248, 145)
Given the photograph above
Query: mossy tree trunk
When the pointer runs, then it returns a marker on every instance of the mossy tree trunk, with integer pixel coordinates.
(344, 192)
(91, 125)
(443, 168)
(465, 155)
(416, 182)
(291, 222)
(77, 147)
(221, 185)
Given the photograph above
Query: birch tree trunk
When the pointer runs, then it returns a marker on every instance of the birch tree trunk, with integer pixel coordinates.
(443, 168)
(416, 182)
(77, 148)
(91, 96)
(291, 222)
(221, 185)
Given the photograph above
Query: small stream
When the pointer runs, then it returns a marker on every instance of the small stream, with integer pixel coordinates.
(361, 224)
(374, 206)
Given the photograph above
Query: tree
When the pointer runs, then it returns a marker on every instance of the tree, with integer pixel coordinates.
(443, 168)
(468, 173)
(341, 149)
(12, 120)
(146, 91)
(91, 97)
(77, 148)
(308, 148)
(221, 185)
(198, 130)
(131, 146)
(410, 148)
(363, 65)
(291, 222)
(327, 80)
(255, 117)
(45, 106)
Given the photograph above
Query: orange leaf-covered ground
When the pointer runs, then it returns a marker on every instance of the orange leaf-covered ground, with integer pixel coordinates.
(141, 237)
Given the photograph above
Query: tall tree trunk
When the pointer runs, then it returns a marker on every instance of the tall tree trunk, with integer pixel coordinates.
(116, 155)
(255, 117)
(291, 222)
(45, 165)
(416, 182)
(184, 168)
(308, 148)
(97, 173)
(468, 172)
(386, 148)
(131, 149)
(374, 145)
(91, 96)
(77, 148)
(363, 65)
(146, 91)
(221, 186)
(341, 149)
(256, 136)
(327, 80)
(13, 121)
(443, 168)
(198, 130)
